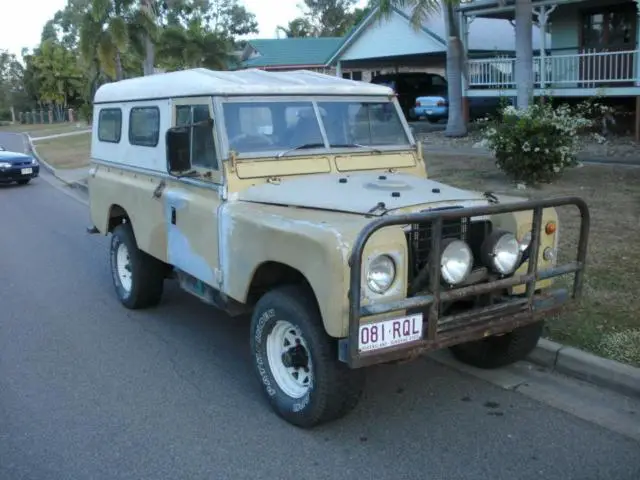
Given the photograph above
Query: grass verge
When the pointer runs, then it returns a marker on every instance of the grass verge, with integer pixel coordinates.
(43, 130)
(66, 152)
(607, 319)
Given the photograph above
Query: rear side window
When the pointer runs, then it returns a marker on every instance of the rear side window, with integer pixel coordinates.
(110, 125)
(144, 126)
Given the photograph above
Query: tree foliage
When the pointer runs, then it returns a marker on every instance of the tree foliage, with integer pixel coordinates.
(326, 18)
(91, 42)
(12, 92)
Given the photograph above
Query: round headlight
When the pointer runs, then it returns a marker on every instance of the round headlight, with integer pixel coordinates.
(381, 274)
(525, 241)
(502, 252)
(456, 262)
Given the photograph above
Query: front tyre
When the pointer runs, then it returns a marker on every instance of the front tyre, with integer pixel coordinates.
(500, 350)
(138, 278)
(297, 362)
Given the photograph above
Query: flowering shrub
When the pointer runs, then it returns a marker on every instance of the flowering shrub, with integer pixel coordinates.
(538, 143)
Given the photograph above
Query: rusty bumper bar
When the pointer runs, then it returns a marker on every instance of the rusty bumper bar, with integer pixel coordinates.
(475, 323)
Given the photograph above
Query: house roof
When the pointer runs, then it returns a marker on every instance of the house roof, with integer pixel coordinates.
(203, 82)
(485, 34)
(280, 52)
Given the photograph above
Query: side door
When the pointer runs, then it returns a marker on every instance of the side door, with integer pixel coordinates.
(192, 201)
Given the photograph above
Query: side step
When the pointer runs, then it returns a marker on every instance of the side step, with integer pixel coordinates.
(209, 295)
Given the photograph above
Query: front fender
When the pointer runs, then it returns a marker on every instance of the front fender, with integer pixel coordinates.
(316, 244)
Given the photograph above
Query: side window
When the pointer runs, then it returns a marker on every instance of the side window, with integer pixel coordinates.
(144, 126)
(110, 125)
(203, 148)
(183, 115)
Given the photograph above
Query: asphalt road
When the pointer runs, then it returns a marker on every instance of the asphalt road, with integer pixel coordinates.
(91, 390)
(12, 141)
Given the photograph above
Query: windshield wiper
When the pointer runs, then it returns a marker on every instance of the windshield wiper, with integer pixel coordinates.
(300, 147)
(354, 145)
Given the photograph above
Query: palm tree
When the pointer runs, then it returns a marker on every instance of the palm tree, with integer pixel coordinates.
(147, 23)
(195, 46)
(524, 52)
(420, 10)
(104, 32)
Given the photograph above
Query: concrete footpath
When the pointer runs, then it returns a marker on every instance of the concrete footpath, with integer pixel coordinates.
(569, 361)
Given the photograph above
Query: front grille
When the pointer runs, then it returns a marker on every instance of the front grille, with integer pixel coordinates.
(419, 240)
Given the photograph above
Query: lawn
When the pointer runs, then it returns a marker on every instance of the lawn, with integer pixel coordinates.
(43, 130)
(65, 152)
(607, 320)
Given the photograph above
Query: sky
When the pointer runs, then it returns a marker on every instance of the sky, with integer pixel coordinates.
(21, 21)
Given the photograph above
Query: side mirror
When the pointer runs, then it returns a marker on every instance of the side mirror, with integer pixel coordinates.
(178, 150)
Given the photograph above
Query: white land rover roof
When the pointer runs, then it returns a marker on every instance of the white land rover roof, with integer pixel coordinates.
(203, 82)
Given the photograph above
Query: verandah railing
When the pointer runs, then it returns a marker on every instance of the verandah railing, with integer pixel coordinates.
(589, 69)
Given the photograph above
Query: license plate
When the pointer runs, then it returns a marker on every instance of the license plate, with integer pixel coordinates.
(388, 333)
(429, 112)
(26, 171)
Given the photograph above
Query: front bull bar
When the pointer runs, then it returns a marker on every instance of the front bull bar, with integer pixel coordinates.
(478, 322)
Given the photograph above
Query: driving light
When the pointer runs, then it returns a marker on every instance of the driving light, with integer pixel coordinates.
(381, 274)
(501, 251)
(4, 165)
(456, 262)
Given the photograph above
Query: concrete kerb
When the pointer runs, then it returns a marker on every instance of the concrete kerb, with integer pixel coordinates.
(79, 185)
(582, 365)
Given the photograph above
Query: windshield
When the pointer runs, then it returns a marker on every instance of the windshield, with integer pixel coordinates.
(280, 127)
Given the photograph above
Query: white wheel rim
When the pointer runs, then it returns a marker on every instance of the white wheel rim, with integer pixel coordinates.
(123, 267)
(286, 354)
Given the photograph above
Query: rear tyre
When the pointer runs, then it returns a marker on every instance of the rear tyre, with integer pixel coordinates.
(24, 182)
(138, 278)
(499, 351)
(297, 362)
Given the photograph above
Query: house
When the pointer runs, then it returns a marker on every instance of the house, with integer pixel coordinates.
(591, 48)
(393, 44)
(282, 54)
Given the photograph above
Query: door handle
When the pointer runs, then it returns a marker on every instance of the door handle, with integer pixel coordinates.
(157, 193)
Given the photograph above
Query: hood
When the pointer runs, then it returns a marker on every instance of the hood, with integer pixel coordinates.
(359, 193)
(13, 157)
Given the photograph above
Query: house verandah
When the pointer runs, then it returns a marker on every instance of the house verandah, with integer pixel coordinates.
(590, 49)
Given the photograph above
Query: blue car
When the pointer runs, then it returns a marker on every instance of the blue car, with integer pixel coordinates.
(431, 107)
(17, 167)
